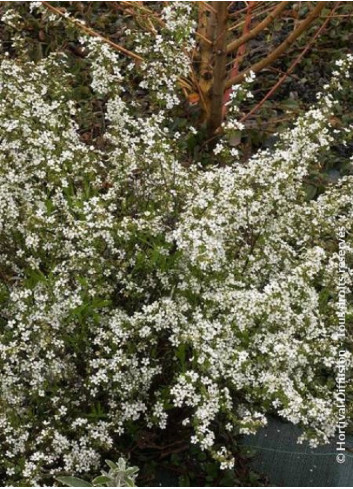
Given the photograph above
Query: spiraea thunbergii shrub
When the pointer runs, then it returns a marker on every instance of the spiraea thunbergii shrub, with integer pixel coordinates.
(133, 285)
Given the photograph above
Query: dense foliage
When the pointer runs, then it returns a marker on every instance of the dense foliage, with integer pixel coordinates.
(139, 288)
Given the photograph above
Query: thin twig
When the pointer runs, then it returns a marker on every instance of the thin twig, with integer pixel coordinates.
(293, 65)
(259, 28)
(281, 48)
(240, 54)
(93, 33)
(258, 7)
(208, 7)
(159, 20)
(148, 11)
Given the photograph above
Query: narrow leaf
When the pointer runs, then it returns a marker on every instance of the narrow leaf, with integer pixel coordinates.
(73, 481)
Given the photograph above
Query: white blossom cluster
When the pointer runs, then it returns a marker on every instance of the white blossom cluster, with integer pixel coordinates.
(105, 69)
(166, 54)
(132, 286)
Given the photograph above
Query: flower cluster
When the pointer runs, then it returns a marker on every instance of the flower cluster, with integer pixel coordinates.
(173, 43)
(132, 286)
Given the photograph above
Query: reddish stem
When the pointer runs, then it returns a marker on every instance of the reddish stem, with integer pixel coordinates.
(293, 65)
(239, 55)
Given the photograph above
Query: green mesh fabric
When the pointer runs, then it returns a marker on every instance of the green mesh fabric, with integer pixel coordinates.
(286, 463)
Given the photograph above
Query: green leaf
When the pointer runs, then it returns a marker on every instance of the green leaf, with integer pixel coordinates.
(130, 482)
(311, 191)
(100, 480)
(111, 464)
(73, 481)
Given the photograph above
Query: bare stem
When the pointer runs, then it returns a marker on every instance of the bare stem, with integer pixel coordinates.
(281, 48)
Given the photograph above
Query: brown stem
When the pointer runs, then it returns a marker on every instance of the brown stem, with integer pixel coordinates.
(146, 10)
(220, 67)
(208, 7)
(260, 9)
(281, 48)
(158, 19)
(259, 28)
(240, 53)
(293, 65)
(207, 26)
(91, 32)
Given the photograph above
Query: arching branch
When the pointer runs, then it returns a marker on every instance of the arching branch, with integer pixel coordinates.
(259, 28)
(281, 48)
(93, 33)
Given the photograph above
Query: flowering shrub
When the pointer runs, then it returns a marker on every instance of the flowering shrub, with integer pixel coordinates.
(133, 286)
(119, 475)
